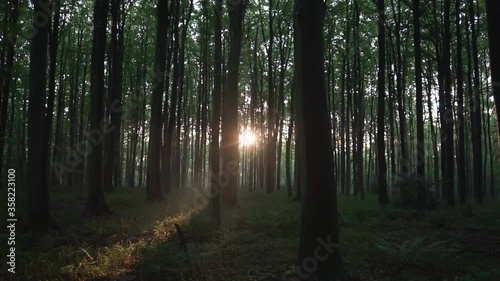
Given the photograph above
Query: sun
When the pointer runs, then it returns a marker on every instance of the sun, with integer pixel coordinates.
(247, 138)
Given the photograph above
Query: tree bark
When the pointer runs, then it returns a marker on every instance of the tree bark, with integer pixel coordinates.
(154, 188)
(493, 14)
(319, 206)
(38, 191)
(382, 166)
(475, 111)
(216, 110)
(113, 141)
(230, 132)
(10, 40)
(419, 106)
(96, 205)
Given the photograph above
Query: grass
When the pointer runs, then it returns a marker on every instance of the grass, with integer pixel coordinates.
(258, 241)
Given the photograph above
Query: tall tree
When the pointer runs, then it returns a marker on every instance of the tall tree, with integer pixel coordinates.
(114, 103)
(447, 121)
(53, 47)
(475, 111)
(419, 105)
(230, 131)
(271, 117)
(11, 16)
(96, 205)
(382, 165)
(154, 189)
(319, 219)
(38, 190)
(493, 14)
(462, 183)
(215, 122)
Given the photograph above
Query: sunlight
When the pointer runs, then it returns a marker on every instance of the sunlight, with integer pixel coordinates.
(248, 138)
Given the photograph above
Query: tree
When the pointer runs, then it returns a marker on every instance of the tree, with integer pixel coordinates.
(382, 165)
(96, 205)
(462, 183)
(493, 14)
(319, 218)
(215, 123)
(38, 189)
(153, 177)
(271, 117)
(447, 121)
(475, 111)
(419, 105)
(53, 47)
(114, 103)
(230, 132)
(10, 41)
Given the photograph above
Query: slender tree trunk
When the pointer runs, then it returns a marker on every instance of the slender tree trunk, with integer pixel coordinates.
(462, 183)
(38, 191)
(289, 143)
(53, 46)
(271, 114)
(215, 122)
(382, 166)
(113, 141)
(431, 123)
(230, 132)
(420, 111)
(475, 112)
(447, 122)
(96, 205)
(154, 188)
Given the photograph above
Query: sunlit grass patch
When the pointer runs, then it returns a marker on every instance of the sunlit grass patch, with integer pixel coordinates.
(97, 248)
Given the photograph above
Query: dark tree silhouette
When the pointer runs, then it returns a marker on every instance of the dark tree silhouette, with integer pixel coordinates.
(382, 165)
(419, 105)
(38, 189)
(319, 219)
(230, 132)
(96, 205)
(153, 176)
(493, 14)
(215, 124)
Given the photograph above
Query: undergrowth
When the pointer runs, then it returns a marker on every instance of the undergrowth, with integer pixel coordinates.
(258, 241)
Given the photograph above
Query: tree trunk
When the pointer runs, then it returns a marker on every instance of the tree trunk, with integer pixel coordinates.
(447, 122)
(230, 132)
(215, 122)
(420, 181)
(38, 191)
(271, 114)
(13, 6)
(154, 189)
(382, 166)
(319, 219)
(475, 112)
(493, 14)
(113, 141)
(462, 183)
(96, 204)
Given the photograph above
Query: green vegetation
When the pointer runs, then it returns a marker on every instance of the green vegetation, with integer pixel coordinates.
(258, 241)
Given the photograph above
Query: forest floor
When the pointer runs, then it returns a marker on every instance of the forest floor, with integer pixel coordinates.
(258, 241)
